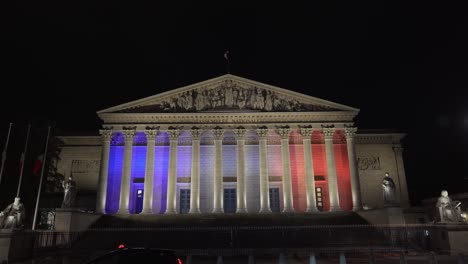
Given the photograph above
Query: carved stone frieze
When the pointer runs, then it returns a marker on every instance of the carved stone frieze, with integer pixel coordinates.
(368, 163)
(228, 95)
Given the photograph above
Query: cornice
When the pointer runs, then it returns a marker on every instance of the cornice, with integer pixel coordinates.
(227, 118)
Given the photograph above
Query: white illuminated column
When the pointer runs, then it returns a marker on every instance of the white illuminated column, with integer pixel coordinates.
(241, 193)
(309, 169)
(287, 182)
(195, 177)
(264, 184)
(149, 171)
(172, 175)
(353, 169)
(328, 133)
(125, 185)
(106, 135)
(218, 171)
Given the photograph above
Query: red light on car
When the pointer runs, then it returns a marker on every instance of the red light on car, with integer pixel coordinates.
(179, 261)
(121, 246)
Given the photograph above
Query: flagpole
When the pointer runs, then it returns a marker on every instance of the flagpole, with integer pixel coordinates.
(4, 153)
(23, 157)
(44, 160)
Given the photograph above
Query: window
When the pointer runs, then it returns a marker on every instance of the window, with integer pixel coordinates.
(274, 200)
(184, 201)
(230, 200)
(319, 198)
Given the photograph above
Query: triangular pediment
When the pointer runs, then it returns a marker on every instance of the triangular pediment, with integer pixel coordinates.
(228, 93)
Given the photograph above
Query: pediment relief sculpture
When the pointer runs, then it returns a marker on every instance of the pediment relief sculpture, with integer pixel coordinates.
(227, 96)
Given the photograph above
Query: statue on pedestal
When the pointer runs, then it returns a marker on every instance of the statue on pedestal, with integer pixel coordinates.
(449, 211)
(388, 186)
(69, 192)
(13, 215)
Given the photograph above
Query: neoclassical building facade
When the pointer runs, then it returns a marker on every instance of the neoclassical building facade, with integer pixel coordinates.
(233, 145)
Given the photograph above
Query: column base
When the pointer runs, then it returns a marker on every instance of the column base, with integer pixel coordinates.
(289, 210)
(123, 211)
(241, 211)
(146, 211)
(194, 211)
(264, 211)
(170, 212)
(312, 210)
(336, 209)
(218, 211)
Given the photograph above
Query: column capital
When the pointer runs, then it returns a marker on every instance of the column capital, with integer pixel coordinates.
(306, 132)
(350, 132)
(284, 132)
(218, 133)
(129, 133)
(173, 134)
(240, 133)
(328, 132)
(106, 134)
(151, 133)
(262, 132)
(196, 133)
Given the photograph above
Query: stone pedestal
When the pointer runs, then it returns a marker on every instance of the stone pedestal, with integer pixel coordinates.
(384, 216)
(72, 220)
(15, 245)
(449, 238)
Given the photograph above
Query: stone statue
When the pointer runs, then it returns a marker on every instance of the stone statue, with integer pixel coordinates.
(69, 192)
(388, 186)
(13, 215)
(449, 211)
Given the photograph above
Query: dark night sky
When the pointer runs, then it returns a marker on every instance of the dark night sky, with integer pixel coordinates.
(403, 64)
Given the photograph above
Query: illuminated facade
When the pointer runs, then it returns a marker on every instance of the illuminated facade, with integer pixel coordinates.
(232, 145)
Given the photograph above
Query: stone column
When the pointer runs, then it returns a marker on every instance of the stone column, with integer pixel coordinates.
(195, 177)
(264, 181)
(328, 133)
(287, 182)
(149, 171)
(402, 187)
(104, 172)
(125, 184)
(218, 172)
(353, 169)
(309, 169)
(241, 193)
(172, 175)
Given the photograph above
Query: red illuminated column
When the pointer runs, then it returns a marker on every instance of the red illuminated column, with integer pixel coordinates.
(195, 177)
(264, 184)
(218, 171)
(129, 134)
(149, 171)
(353, 169)
(172, 175)
(309, 169)
(241, 194)
(102, 186)
(328, 133)
(287, 183)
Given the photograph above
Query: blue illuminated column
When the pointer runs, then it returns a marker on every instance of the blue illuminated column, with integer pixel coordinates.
(328, 133)
(262, 134)
(129, 134)
(149, 171)
(353, 169)
(172, 175)
(218, 171)
(241, 194)
(195, 177)
(306, 133)
(287, 182)
(104, 171)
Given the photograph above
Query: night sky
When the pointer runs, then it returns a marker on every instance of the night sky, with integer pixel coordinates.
(403, 64)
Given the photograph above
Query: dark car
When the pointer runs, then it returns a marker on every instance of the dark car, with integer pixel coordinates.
(137, 256)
